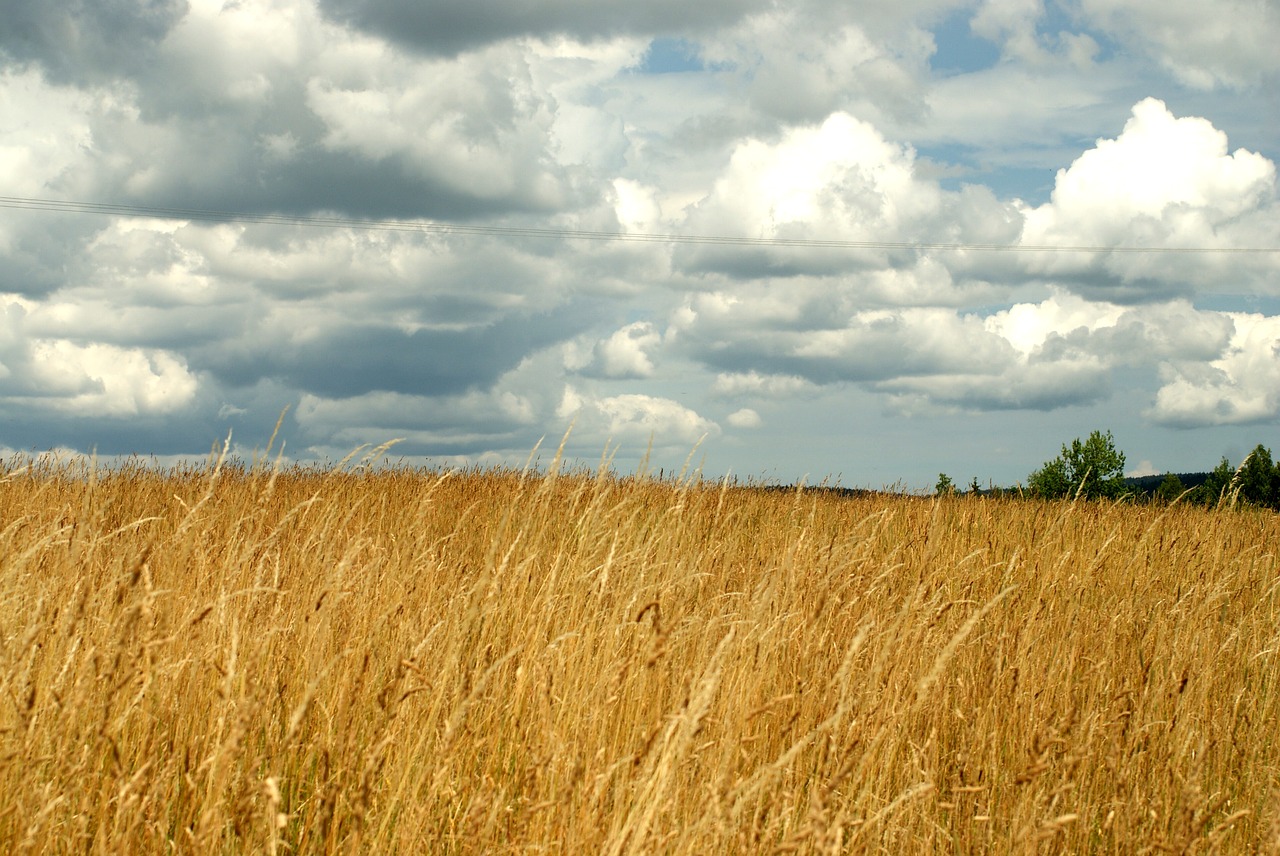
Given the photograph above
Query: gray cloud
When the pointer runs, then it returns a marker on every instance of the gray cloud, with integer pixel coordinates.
(322, 181)
(232, 110)
(1229, 45)
(800, 119)
(423, 425)
(734, 335)
(1039, 386)
(1240, 387)
(86, 41)
(43, 250)
(448, 28)
(363, 357)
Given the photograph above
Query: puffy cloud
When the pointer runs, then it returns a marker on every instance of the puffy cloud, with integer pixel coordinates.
(637, 206)
(1241, 386)
(47, 132)
(1158, 161)
(475, 125)
(1170, 331)
(1167, 183)
(110, 381)
(500, 422)
(633, 419)
(804, 62)
(928, 355)
(796, 120)
(67, 377)
(233, 56)
(1022, 385)
(1032, 357)
(1143, 468)
(840, 181)
(625, 354)
(1032, 116)
(1029, 326)
(1227, 43)
(738, 334)
(752, 383)
(1053, 353)
(1013, 25)
(1026, 35)
(261, 106)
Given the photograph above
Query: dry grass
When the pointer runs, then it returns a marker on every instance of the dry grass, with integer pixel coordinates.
(396, 662)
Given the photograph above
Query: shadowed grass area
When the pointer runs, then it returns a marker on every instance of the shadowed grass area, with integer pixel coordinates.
(309, 661)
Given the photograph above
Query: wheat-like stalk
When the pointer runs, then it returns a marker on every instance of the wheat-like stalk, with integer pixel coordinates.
(264, 658)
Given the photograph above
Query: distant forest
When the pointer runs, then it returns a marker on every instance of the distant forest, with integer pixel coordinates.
(1150, 484)
(1094, 469)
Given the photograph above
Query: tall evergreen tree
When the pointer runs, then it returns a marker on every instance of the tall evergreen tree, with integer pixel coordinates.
(1170, 488)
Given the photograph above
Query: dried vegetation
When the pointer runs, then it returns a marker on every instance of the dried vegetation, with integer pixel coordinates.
(349, 661)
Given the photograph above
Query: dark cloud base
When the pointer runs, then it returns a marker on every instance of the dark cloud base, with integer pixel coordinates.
(368, 358)
(86, 41)
(188, 434)
(444, 27)
(318, 182)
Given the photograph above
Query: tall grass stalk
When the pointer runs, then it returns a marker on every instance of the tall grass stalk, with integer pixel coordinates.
(231, 659)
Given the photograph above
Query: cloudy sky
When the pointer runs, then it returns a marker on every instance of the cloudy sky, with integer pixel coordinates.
(868, 242)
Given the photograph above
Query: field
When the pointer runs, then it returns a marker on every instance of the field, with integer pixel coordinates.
(237, 660)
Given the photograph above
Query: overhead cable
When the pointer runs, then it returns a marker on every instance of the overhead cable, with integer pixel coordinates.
(441, 227)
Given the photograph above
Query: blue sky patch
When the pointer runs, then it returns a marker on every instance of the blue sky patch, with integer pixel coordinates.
(1031, 184)
(959, 50)
(671, 56)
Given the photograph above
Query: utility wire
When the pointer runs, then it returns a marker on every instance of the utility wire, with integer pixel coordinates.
(437, 227)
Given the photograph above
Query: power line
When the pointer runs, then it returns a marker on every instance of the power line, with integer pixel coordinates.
(438, 227)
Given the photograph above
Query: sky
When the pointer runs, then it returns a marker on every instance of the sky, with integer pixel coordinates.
(863, 243)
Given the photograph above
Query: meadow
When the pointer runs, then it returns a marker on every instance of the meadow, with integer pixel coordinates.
(244, 659)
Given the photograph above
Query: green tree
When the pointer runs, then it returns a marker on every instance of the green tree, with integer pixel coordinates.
(1093, 469)
(945, 486)
(975, 489)
(1170, 489)
(1258, 479)
(1217, 486)
(1050, 481)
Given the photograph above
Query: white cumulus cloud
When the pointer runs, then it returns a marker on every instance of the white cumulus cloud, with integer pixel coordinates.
(1241, 386)
(633, 419)
(1167, 183)
(628, 352)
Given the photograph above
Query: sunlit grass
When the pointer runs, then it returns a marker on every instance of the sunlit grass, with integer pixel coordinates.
(483, 661)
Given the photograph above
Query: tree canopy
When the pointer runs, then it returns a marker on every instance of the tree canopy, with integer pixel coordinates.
(1259, 479)
(1170, 489)
(1093, 469)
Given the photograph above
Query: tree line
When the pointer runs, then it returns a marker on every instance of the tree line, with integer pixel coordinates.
(1093, 468)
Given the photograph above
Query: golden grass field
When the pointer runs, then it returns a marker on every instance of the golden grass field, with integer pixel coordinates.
(356, 661)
